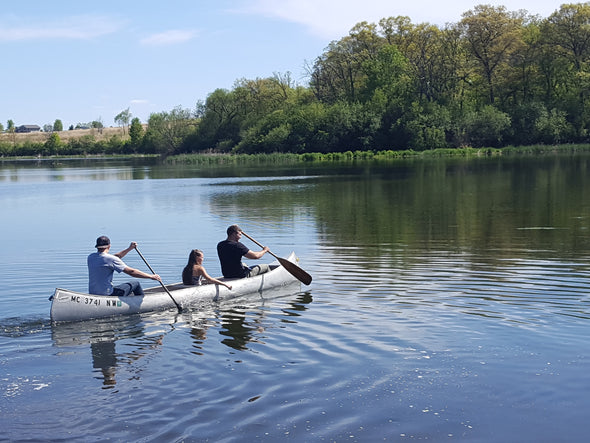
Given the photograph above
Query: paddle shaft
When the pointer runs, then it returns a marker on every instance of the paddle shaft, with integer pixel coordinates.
(259, 244)
(164, 286)
(293, 269)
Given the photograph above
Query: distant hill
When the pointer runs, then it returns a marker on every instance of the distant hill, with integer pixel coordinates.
(98, 134)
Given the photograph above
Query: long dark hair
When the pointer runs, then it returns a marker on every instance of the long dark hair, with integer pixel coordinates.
(187, 272)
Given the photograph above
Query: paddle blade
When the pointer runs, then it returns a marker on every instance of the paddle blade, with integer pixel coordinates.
(295, 271)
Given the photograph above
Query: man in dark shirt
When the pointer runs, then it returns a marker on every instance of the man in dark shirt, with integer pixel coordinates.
(231, 251)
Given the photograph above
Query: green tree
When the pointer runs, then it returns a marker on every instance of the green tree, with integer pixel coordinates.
(122, 118)
(11, 129)
(485, 127)
(97, 124)
(136, 133)
(395, 31)
(552, 127)
(420, 45)
(566, 34)
(260, 96)
(569, 30)
(387, 76)
(58, 125)
(526, 81)
(389, 92)
(53, 144)
(428, 127)
(167, 131)
(492, 35)
(338, 73)
(220, 123)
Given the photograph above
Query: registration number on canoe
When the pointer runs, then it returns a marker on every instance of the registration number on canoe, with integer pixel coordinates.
(94, 301)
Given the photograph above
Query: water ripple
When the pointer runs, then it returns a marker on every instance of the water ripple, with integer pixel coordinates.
(391, 332)
(526, 292)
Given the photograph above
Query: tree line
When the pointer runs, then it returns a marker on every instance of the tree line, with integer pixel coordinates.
(495, 78)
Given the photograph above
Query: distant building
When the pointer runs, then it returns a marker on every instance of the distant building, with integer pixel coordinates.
(28, 128)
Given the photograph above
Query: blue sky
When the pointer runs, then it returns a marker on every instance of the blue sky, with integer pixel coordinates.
(84, 61)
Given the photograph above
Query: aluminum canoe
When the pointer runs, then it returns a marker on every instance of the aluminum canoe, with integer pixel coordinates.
(69, 305)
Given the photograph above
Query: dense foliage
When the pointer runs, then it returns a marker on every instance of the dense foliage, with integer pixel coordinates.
(496, 78)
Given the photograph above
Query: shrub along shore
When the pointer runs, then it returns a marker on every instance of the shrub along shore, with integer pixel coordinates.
(290, 158)
(536, 150)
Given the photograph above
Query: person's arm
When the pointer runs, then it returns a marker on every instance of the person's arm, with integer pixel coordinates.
(140, 274)
(124, 252)
(210, 279)
(256, 255)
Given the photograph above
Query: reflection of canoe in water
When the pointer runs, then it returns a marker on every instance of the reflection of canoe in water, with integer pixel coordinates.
(72, 306)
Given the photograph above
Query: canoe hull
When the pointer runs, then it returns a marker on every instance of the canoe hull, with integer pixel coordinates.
(69, 305)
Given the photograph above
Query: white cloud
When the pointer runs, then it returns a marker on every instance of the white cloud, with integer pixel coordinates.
(330, 19)
(171, 37)
(333, 19)
(71, 28)
(139, 101)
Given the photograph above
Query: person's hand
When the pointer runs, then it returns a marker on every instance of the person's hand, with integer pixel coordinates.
(156, 277)
(228, 287)
(266, 249)
(133, 245)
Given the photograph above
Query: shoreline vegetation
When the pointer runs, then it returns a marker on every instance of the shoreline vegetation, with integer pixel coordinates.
(220, 159)
(369, 155)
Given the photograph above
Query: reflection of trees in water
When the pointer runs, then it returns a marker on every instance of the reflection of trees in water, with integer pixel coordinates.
(458, 203)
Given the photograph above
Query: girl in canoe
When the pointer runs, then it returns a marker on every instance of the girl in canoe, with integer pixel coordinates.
(194, 272)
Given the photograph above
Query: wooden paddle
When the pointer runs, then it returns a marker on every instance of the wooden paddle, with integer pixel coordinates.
(165, 288)
(291, 267)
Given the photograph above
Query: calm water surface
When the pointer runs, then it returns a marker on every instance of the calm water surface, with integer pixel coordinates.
(449, 303)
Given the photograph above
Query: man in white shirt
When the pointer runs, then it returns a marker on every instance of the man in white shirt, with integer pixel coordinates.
(101, 266)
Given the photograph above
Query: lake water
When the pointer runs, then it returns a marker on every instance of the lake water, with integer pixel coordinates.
(449, 303)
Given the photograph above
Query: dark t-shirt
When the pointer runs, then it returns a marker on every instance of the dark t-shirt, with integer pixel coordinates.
(230, 256)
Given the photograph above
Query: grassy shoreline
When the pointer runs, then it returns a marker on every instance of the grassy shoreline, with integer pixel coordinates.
(220, 159)
(375, 155)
